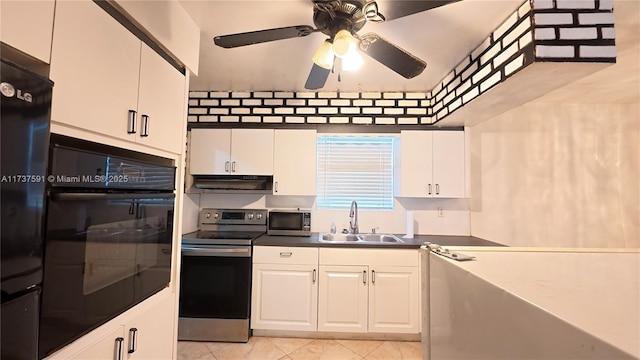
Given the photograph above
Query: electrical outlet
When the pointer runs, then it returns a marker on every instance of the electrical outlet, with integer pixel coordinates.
(440, 212)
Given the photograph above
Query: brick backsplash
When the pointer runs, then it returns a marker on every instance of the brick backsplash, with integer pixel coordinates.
(538, 31)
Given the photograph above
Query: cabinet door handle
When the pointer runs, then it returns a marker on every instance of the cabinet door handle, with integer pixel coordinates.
(373, 276)
(364, 276)
(429, 189)
(226, 166)
(145, 125)
(313, 277)
(131, 122)
(276, 187)
(133, 340)
(119, 348)
(437, 189)
(286, 254)
(233, 166)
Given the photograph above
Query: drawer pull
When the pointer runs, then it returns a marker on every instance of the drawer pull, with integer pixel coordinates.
(133, 340)
(285, 254)
(119, 349)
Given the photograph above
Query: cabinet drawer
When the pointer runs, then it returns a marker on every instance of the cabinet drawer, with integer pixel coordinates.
(285, 255)
(371, 257)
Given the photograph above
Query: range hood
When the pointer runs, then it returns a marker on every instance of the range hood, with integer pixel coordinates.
(243, 183)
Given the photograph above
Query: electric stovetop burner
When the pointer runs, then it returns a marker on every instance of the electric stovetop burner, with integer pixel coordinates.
(228, 227)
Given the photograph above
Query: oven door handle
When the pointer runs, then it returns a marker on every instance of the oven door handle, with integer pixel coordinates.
(108, 196)
(202, 251)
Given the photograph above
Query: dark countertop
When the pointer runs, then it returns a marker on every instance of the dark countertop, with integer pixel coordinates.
(416, 242)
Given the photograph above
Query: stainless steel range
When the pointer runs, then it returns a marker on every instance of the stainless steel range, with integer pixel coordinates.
(215, 280)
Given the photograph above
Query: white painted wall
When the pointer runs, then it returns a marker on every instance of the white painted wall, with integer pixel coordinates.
(558, 175)
(564, 170)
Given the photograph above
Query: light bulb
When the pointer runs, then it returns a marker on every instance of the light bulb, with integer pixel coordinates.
(343, 42)
(352, 60)
(324, 55)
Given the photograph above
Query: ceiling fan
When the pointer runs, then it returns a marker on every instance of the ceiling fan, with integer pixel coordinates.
(341, 20)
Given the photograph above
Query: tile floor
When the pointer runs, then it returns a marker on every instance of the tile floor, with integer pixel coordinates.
(272, 348)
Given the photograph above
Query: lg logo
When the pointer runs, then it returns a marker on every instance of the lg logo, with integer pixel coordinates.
(9, 91)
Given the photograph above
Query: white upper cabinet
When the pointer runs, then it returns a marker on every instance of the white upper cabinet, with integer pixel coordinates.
(432, 164)
(161, 103)
(231, 152)
(108, 82)
(27, 26)
(95, 65)
(294, 168)
(448, 164)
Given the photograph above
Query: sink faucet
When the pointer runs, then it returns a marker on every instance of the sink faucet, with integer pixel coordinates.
(353, 218)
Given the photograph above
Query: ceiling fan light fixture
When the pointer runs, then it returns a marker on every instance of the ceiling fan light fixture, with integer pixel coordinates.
(343, 42)
(324, 55)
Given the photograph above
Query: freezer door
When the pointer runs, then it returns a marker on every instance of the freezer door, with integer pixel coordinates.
(20, 327)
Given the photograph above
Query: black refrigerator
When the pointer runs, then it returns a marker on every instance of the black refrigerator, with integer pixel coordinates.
(26, 112)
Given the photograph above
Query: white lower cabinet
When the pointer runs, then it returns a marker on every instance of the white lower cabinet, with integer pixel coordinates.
(394, 294)
(285, 288)
(147, 334)
(343, 299)
(369, 290)
(336, 290)
(107, 347)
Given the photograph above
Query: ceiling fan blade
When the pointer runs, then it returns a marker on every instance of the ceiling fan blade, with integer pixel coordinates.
(391, 56)
(393, 9)
(317, 78)
(256, 37)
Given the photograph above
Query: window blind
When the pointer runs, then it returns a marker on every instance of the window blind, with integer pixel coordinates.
(356, 168)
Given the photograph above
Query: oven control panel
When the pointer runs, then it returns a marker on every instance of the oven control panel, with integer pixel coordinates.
(233, 216)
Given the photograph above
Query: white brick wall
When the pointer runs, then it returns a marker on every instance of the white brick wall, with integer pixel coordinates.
(540, 30)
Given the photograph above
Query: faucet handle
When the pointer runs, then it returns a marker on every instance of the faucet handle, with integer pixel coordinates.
(373, 230)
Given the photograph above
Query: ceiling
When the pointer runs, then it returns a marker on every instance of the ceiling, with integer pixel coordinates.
(441, 37)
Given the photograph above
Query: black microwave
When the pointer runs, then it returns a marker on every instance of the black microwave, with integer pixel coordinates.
(289, 223)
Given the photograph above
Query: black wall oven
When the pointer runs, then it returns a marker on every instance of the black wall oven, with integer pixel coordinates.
(108, 236)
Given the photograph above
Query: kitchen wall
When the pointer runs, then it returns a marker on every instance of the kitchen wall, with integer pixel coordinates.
(452, 220)
(561, 175)
(560, 171)
(564, 170)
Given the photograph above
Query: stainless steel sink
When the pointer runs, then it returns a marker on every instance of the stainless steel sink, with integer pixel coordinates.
(381, 238)
(361, 238)
(338, 237)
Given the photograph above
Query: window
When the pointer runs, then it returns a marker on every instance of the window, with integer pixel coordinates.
(356, 168)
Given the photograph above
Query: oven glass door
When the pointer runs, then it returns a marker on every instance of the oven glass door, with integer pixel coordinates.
(215, 282)
(104, 253)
